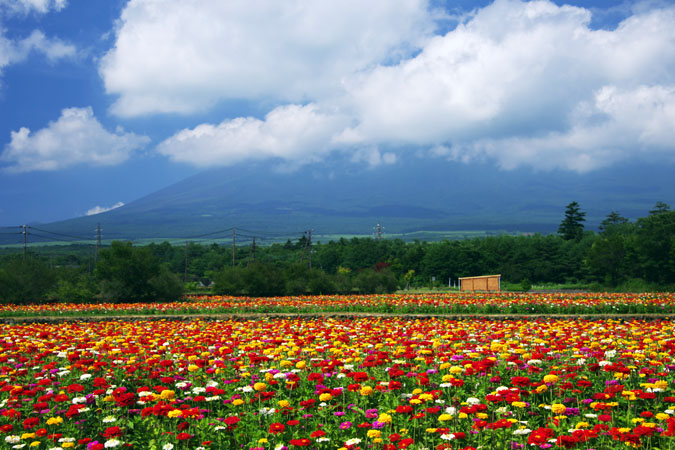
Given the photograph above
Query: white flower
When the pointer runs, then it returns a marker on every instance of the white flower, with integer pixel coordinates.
(522, 431)
(85, 376)
(590, 416)
(322, 439)
(167, 447)
(12, 439)
(112, 443)
(109, 419)
(610, 354)
(19, 446)
(451, 410)
(473, 401)
(581, 362)
(67, 439)
(534, 362)
(352, 441)
(78, 400)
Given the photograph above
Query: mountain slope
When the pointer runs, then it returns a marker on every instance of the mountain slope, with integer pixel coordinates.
(411, 195)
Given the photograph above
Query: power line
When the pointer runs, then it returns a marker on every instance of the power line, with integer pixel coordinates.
(61, 234)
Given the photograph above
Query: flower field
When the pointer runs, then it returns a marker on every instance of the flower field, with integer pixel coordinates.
(442, 303)
(381, 383)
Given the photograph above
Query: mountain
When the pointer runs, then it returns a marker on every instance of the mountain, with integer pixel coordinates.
(414, 194)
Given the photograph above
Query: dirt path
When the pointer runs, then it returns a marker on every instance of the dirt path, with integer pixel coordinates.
(338, 315)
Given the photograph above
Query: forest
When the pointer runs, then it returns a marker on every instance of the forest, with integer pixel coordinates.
(621, 256)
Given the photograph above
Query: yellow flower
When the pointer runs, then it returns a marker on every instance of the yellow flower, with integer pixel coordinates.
(175, 413)
(542, 388)
(444, 417)
(384, 418)
(662, 416)
(54, 420)
(193, 368)
(34, 443)
(259, 386)
(262, 441)
(300, 365)
(463, 415)
(519, 404)
(558, 408)
(456, 369)
(374, 434)
(283, 404)
(481, 415)
(581, 425)
(28, 436)
(67, 444)
(325, 397)
(167, 394)
(366, 390)
(550, 378)
(238, 402)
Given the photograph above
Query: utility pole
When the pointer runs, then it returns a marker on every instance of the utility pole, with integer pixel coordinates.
(252, 252)
(24, 232)
(186, 262)
(98, 242)
(309, 245)
(378, 234)
(234, 237)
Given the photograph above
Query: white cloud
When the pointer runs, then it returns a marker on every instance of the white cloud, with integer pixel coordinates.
(185, 56)
(26, 6)
(75, 138)
(102, 209)
(510, 82)
(521, 83)
(15, 51)
(291, 133)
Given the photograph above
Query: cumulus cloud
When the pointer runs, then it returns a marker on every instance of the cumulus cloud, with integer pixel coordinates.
(290, 133)
(102, 209)
(77, 137)
(26, 6)
(511, 82)
(521, 83)
(181, 57)
(15, 51)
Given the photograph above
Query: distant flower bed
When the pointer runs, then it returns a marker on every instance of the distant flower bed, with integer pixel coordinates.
(452, 303)
(381, 383)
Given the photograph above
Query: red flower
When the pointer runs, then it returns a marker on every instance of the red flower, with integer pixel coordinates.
(183, 436)
(31, 423)
(112, 432)
(276, 427)
(317, 434)
(300, 442)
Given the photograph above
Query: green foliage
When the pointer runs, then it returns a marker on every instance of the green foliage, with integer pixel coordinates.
(127, 273)
(572, 225)
(24, 281)
(525, 285)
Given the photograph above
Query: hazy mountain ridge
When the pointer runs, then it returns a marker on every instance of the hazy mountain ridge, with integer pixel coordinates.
(411, 195)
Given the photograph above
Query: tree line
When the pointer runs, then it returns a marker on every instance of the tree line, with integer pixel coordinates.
(621, 255)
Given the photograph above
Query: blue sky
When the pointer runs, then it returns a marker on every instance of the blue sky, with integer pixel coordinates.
(105, 101)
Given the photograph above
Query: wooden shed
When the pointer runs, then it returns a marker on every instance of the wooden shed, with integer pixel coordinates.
(481, 283)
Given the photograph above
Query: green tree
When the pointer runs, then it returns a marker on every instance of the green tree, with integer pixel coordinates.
(25, 280)
(613, 223)
(655, 242)
(130, 273)
(572, 226)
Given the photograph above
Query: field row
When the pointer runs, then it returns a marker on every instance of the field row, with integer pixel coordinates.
(452, 303)
(382, 383)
